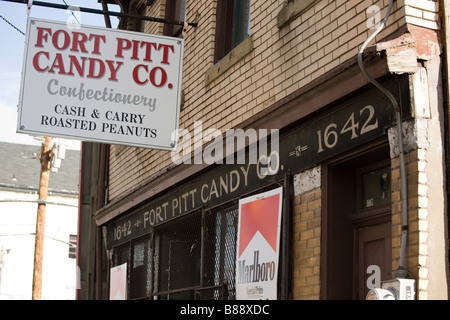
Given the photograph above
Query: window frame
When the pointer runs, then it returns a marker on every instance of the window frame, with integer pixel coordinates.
(73, 240)
(229, 38)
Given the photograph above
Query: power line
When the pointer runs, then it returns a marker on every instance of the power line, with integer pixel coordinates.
(6, 20)
(33, 234)
(12, 25)
(73, 14)
(111, 13)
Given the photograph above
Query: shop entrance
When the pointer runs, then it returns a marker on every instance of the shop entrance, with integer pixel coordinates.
(357, 222)
(374, 255)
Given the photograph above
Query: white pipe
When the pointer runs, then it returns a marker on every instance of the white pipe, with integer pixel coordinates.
(400, 272)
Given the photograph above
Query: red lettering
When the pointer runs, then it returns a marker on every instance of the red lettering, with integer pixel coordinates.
(97, 39)
(61, 40)
(122, 44)
(135, 45)
(41, 36)
(166, 48)
(77, 42)
(163, 79)
(92, 69)
(36, 61)
(136, 74)
(148, 50)
(58, 63)
(66, 40)
(113, 70)
(158, 82)
(135, 50)
(79, 66)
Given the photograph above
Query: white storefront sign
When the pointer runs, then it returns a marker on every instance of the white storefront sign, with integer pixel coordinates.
(102, 85)
(258, 246)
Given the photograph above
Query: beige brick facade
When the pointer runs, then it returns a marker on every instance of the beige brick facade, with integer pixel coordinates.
(290, 46)
(423, 13)
(283, 60)
(306, 239)
(416, 252)
(307, 230)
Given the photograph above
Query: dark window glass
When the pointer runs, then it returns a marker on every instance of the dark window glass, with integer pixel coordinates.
(232, 25)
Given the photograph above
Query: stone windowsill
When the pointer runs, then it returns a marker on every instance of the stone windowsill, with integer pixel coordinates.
(239, 52)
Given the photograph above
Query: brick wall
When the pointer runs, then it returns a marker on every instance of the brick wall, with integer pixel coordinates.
(155, 10)
(424, 13)
(130, 165)
(282, 60)
(416, 251)
(318, 39)
(307, 229)
(306, 238)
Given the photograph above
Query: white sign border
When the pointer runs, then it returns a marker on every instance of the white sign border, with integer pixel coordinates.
(20, 126)
(260, 196)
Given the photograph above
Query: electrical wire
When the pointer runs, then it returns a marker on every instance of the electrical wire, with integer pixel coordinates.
(73, 14)
(33, 234)
(7, 21)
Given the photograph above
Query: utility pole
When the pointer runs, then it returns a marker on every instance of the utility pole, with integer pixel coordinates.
(46, 160)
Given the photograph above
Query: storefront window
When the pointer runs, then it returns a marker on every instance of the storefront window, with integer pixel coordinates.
(140, 281)
(178, 257)
(195, 264)
(232, 25)
(220, 252)
(192, 257)
(377, 187)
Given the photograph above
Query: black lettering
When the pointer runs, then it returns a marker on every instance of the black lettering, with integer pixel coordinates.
(256, 272)
(68, 123)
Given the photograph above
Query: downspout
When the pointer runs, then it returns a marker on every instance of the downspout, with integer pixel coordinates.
(401, 271)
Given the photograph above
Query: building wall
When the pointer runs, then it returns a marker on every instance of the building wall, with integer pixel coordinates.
(306, 235)
(414, 162)
(307, 230)
(18, 212)
(281, 61)
(290, 47)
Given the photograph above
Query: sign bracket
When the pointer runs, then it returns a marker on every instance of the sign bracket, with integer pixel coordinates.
(104, 12)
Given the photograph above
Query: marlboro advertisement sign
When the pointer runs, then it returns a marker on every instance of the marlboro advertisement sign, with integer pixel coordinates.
(102, 85)
(258, 246)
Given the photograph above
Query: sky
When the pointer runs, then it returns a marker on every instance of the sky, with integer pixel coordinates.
(11, 57)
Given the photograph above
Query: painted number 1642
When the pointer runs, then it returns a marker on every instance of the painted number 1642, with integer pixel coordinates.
(330, 136)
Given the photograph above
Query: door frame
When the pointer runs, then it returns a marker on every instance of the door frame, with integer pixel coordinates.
(338, 236)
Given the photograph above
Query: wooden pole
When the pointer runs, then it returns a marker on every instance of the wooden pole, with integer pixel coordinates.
(45, 158)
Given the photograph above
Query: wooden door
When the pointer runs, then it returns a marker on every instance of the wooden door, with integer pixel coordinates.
(373, 249)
